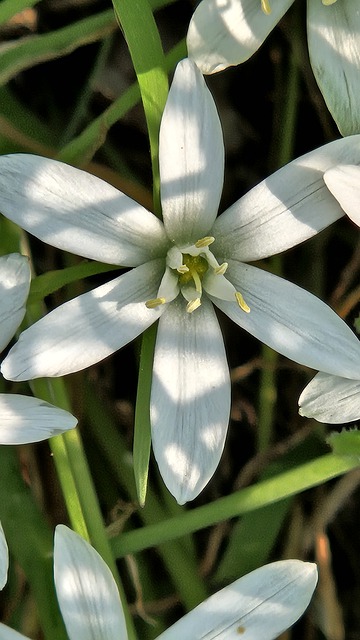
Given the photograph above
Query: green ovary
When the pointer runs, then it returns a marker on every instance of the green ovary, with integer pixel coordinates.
(197, 266)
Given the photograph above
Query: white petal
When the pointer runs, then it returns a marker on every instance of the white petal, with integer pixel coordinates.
(293, 322)
(87, 593)
(290, 206)
(223, 33)
(333, 37)
(344, 183)
(261, 605)
(190, 398)
(6, 633)
(25, 419)
(331, 399)
(4, 559)
(14, 289)
(191, 157)
(87, 329)
(76, 211)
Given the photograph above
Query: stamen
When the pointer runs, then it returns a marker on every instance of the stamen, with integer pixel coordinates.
(155, 302)
(241, 302)
(221, 269)
(204, 242)
(265, 6)
(193, 304)
(182, 269)
(327, 3)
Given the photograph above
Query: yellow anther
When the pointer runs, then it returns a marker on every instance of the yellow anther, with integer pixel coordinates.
(155, 302)
(204, 242)
(327, 3)
(241, 302)
(265, 5)
(193, 304)
(221, 269)
(182, 269)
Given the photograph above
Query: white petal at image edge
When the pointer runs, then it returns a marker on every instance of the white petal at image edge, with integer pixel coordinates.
(331, 399)
(262, 604)
(4, 558)
(86, 590)
(24, 419)
(14, 289)
(344, 183)
(6, 633)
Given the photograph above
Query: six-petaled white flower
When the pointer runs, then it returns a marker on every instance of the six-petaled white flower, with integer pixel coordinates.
(262, 604)
(181, 267)
(23, 419)
(227, 32)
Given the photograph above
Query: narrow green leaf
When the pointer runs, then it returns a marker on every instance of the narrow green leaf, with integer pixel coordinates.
(142, 426)
(31, 50)
(143, 39)
(289, 483)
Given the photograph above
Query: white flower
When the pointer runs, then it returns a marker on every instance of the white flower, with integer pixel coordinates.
(181, 267)
(227, 32)
(23, 419)
(262, 604)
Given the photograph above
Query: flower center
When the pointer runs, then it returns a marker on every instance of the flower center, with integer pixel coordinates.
(191, 269)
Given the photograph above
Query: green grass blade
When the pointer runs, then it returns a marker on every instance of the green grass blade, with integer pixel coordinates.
(31, 50)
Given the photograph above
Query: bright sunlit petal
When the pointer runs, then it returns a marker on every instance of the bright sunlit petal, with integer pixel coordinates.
(190, 398)
(223, 33)
(290, 206)
(191, 157)
(78, 212)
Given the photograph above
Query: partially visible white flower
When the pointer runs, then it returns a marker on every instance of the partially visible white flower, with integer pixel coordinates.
(328, 398)
(181, 268)
(4, 558)
(227, 32)
(262, 604)
(23, 419)
(344, 183)
(331, 399)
